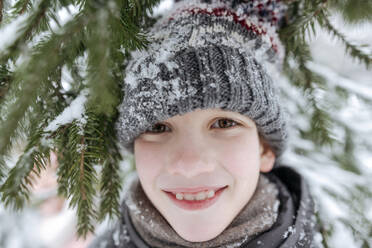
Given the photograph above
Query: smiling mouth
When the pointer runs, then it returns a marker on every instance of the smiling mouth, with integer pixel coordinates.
(195, 201)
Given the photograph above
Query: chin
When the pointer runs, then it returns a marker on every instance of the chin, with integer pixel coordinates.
(199, 236)
(199, 228)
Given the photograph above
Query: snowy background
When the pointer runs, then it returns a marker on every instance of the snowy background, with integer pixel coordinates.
(49, 223)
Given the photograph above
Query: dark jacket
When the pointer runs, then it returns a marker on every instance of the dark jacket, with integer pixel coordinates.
(294, 227)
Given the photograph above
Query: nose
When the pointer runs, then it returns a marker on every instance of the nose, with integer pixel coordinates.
(189, 160)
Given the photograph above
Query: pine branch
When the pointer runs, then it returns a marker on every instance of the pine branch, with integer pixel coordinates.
(304, 78)
(353, 11)
(1, 10)
(347, 159)
(31, 128)
(82, 169)
(110, 189)
(16, 189)
(21, 6)
(110, 183)
(321, 126)
(353, 207)
(24, 7)
(137, 11)
(5, 79)
(302, 15)
(77, 174)
(61, 137)
(34, 97)
(351, 201)
(32, 23)
(100, 80)
(84, 143)
(81, 145)
(30, 79)
(353, 50)
(324, 229)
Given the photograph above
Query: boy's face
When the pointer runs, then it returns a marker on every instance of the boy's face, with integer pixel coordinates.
(212, 151)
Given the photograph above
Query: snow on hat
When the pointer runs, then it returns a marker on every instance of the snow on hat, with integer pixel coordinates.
(207, 54)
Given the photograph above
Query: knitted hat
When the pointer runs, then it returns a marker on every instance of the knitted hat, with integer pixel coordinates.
(207, 54)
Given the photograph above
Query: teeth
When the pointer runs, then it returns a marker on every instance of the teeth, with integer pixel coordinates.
(179, 196)
(210, 193)
(189, 197)
(199, 196)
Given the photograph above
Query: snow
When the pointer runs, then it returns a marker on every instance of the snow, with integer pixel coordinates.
(366, 159)
(343, 237)
(163, 6)
(74, 112)
(237, 244)
(66, 79)
(9, 33)
(81, 147)
(333, 187)
(116, 236)
(369, 212)
(130, 178)
(14, 154)
(52, 227)
(336, 59)
(20, 229)
(63, 16)
(334, 78)
(318, 238)
(289, 231)
(320, 170)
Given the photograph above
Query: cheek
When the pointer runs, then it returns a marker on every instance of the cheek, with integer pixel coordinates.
(240, 155)
(148, 159)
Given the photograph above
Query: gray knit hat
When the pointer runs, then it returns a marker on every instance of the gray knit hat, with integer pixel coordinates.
(207, 54)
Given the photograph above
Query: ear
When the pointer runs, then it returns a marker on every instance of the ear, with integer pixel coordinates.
(267, 158)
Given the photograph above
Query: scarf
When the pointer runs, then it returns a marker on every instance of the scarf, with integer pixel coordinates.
(256, 217)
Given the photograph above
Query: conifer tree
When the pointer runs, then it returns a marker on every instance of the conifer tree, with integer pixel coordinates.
(61, 80)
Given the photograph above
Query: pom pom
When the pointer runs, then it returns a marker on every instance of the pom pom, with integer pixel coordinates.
(267, 11)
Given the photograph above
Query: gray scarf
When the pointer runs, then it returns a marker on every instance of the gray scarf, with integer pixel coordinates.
(259, 214)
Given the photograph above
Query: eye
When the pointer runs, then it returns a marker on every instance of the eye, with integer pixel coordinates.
(158, 128)
(224, 123)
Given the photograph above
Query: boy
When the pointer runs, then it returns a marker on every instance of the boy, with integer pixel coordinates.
(202, 116)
